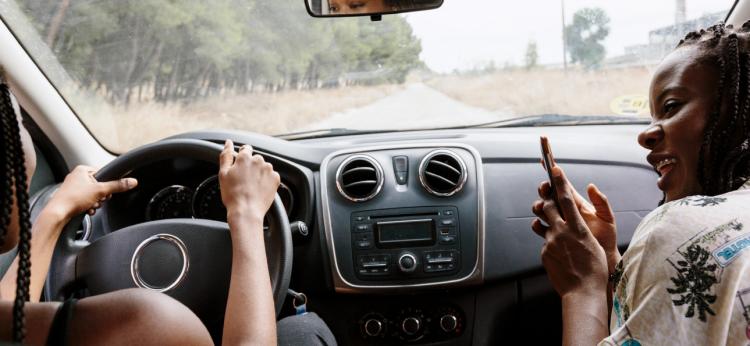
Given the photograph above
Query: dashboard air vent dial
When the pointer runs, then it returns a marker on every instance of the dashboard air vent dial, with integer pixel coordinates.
(359, 178)
(442, 173)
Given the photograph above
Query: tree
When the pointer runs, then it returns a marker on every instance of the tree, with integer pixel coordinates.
(531, 55)
(584, 37)
(182, 50)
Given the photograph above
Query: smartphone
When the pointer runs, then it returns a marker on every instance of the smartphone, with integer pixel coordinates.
(549, 162)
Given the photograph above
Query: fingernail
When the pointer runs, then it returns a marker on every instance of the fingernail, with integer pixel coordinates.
(556, 172)
(131, 182)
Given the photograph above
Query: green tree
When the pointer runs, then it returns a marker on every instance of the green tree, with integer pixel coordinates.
(531, 56)
(182, 50)
(584, 37)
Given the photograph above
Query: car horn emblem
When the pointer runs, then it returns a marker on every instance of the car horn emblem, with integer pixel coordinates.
(159, 263)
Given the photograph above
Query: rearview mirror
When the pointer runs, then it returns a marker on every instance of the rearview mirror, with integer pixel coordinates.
(338, 8)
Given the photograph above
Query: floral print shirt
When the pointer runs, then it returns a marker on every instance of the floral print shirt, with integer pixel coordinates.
(685, 280)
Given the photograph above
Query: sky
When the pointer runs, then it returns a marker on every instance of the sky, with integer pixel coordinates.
(464, 34)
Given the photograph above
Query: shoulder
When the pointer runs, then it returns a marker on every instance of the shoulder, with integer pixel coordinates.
(136, 316)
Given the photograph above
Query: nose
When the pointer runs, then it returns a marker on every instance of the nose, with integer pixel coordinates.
(651, 136)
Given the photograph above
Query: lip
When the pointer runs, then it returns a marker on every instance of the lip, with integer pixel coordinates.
(654, 159)
(663, 164)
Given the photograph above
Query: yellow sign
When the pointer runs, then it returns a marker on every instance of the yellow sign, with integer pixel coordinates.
(630, 105)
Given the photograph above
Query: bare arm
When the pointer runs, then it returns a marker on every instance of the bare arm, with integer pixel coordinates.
(79, 193)
(250, 314)
(248, 186)
(584, 318)
(45, 233)
(576, 264)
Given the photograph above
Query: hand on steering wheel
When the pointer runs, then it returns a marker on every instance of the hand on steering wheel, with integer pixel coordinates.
(82, 193)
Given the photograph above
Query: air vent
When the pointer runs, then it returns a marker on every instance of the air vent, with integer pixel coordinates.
(442, 173)
(359, 178)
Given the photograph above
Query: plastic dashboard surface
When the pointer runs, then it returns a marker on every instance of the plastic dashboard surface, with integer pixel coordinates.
(337, 211)
(607, 155)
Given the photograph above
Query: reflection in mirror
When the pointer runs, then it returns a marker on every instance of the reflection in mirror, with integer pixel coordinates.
(326, 8)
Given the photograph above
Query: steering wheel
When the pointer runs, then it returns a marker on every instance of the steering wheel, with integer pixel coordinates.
(188, 259)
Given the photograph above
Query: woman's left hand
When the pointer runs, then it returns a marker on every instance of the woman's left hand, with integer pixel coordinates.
(573, 258)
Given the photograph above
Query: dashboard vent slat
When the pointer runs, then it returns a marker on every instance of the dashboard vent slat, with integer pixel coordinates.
(442, 173)
(359, 178)
(445, 165)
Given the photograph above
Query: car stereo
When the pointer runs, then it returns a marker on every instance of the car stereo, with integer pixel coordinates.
(406, 243)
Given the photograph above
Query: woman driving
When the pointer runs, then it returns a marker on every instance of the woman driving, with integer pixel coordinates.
(134, 316)
(684, 279)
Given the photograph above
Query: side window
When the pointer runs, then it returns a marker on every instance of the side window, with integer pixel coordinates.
(43, 174)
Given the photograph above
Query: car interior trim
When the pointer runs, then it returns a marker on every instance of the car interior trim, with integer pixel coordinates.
(341, 285)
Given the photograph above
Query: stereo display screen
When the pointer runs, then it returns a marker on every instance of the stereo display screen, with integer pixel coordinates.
(411, 232)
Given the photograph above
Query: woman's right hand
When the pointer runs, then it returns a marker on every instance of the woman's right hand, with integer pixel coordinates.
(598, 216)
(248, 183)
(80, 192)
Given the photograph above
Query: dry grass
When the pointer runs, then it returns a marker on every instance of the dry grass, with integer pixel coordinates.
(522, 92)
(120, 129)
(514, 93)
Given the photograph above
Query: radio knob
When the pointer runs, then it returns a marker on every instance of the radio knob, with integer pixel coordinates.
(373, 327)
(407, 263)
(411, 326)
(448, 323)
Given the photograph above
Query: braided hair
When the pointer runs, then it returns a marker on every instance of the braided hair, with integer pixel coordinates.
(14, 182)
(724, 158)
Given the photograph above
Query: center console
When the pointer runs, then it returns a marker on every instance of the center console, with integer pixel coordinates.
(398, 218)
(406, 243)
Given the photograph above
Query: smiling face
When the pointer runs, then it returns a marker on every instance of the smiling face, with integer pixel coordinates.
(356, 6)
(682, 96)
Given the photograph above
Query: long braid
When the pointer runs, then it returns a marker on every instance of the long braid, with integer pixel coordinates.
(724, 158)
(14, 162)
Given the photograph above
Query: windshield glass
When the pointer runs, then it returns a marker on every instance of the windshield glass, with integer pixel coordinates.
(136, 71)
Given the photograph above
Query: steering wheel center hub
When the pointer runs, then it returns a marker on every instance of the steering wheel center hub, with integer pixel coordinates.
(160, 262)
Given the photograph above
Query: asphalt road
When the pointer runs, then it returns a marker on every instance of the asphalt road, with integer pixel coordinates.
(417, 106)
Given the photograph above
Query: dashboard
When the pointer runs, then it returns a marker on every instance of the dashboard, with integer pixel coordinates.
(418, 237)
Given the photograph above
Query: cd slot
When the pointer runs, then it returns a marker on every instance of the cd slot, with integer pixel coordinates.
(390, 216)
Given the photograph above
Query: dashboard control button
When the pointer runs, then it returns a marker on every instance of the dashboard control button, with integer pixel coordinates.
(401, 178)
(448, 323)
(411, 326)
(401, 169)
(447, 239)
(407, 263)
(448, 222)
(359, 218)
(363, 244)
(448, 212)
(362, 228)
(373, 327)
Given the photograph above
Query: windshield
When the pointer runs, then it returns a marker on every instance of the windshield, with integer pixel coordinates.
(136, 71)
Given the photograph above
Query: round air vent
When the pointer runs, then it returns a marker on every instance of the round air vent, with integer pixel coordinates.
(359, 178)
(442, 173)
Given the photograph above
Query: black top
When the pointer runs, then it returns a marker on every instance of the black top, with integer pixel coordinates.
(59, 331)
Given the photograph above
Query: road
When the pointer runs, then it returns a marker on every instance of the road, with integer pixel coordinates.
(417, 106)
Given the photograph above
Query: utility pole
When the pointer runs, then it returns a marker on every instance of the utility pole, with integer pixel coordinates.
(565, 41)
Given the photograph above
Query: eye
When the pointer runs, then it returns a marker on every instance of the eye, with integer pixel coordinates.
(333, 8)
(670, 106)
(357, 4)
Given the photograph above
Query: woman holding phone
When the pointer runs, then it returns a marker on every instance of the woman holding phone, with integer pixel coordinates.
(684, 278)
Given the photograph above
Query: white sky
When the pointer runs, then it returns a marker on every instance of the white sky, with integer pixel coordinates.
(464, 34)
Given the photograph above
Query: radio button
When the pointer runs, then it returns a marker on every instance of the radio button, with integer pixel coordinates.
(361, 228)
(448, 212)
(447, 239)
(407, 263)
(363, 244)
(448, 222)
